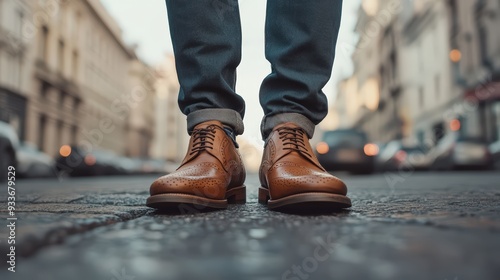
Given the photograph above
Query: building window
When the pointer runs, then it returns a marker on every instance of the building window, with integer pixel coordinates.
(62, 97)
(496, 114)
(44, 90)
(44, 43)
(393, 64)
(74, 135)
(75, 65)
(421, 99)
(60, 132)
(61, 20)
(454, 18)
(437, 86)
(421, 138)
(61, 56)
(382, 77)
(42, 126)
(20, 23)
(76, 27)
(438, 131)
(76, 104)
(481, 16)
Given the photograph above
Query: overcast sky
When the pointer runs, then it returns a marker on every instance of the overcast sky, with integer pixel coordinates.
(145, 23)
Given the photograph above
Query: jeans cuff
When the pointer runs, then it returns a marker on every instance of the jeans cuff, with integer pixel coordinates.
(226, 116)
(269, 122)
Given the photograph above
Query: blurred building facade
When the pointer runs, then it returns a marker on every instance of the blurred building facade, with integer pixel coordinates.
(171, 140)
(67, 77)
(142, 103)
(13, 65)
(420, 65)
(428, 86)
(474, 32)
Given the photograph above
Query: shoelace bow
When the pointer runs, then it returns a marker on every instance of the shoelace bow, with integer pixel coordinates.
(203, 139)
(293, 139)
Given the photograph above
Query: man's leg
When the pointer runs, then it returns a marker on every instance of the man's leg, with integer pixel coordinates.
(206, 35)
(300, 44)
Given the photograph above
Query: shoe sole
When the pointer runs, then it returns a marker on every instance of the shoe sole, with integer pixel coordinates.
(310, 201)
(193, 203)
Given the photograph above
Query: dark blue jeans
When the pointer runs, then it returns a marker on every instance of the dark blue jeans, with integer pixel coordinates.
(300, 45)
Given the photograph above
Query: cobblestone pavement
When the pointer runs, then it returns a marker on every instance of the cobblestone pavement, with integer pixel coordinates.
(401, 226)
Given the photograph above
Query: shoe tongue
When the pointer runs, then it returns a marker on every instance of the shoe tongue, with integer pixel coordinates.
(207, 124)
(204, 153)
(293, 153)
(287, 125)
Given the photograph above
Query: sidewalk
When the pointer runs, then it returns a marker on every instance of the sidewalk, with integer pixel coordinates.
(50, 211)
(427, 226)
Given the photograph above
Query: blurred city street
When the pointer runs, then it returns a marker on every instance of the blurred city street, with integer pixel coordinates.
(91, 95)
(403, 225)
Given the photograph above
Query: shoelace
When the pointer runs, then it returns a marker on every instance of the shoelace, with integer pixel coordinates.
(203, 139)
(293, 139)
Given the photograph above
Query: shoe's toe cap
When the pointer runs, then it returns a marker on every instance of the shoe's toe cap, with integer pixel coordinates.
(290, 180)
(194, 181)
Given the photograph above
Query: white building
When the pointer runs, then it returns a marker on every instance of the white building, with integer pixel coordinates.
(15, 63)
(142, 102)
(171, 138)
(475, 36)
(420, 66)
(67, 77)
(429, 88)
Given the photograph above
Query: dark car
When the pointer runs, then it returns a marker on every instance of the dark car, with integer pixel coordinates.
(130, 166)
(9, 143)
(495, 153)
(460, 152)
(347, 150)
(76, 161)
(399, 156)
(154, 166)
(32, 163)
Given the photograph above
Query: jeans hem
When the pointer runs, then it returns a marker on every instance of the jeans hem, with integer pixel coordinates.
(227, 117)
(269, 122)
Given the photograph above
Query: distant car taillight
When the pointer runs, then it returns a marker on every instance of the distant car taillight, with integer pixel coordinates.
(371, 150)
(487, 154)
(89, 160)
(400, 156)
(65, 150)
(322, 148)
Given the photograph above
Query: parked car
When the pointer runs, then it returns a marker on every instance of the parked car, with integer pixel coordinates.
(32, 163)
(130, 166)
(75, 161)
(460, 152)
(9, 143)
(495, 153)
(154, 166)
(347, 150)
(398, 156)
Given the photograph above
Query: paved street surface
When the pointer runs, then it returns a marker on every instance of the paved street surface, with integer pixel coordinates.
(401, 226)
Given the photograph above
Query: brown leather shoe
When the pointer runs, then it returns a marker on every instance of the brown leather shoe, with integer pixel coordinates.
(293, 179)
(210, 176)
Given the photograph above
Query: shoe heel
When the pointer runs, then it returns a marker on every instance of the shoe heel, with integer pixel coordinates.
(237, 195)
(263, 195)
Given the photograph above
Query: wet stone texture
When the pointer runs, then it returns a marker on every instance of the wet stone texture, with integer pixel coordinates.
(401, 226)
